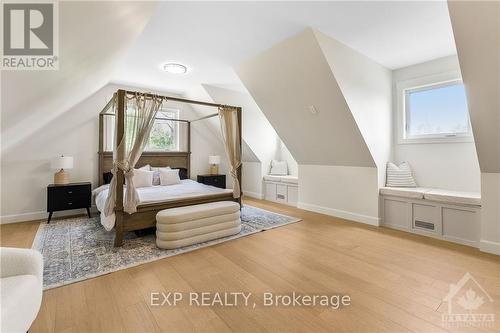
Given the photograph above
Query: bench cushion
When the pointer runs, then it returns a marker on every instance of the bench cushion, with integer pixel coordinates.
(453, 197)
(282, 179)
(195, 212)
(405, 192)
(188, 225)
(174, 244)
(203, 230)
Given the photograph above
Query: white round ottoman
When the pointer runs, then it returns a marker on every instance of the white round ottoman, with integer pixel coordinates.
(183, 226)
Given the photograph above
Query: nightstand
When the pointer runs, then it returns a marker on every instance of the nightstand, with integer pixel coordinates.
(214, 180)
(68, 196)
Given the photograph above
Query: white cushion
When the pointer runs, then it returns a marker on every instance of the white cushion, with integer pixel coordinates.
(290, 179)
(145, 167)
(453, 197)
(169, 176)
(187, 225)
(197, 231)
(194, 212)
(278, 168)
(273, 178)
(20, 301)
(283, 179)
(399, 176)
(142, 178)
(173, 244)
(405, 192)
(156, 174)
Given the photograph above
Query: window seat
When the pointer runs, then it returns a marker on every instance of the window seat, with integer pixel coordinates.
(438, 213)
(283, 189)
(433, 194)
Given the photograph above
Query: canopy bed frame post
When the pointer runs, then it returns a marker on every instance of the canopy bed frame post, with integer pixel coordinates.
(120, 180)
(238, 112)
(100, 180)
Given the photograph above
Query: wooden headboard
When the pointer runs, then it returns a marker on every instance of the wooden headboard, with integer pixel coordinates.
(155, 159)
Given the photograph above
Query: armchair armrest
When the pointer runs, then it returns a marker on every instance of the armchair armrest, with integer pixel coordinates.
(14, 261)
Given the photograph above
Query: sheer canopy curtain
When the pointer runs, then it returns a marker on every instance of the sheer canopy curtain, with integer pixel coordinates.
(139, 117)
(231, 136)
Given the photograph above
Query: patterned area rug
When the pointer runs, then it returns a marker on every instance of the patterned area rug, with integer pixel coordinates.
(77, 249)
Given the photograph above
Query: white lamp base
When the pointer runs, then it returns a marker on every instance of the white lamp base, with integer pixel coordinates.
(61, 177)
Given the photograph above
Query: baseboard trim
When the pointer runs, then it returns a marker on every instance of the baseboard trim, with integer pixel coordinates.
(489, 247)
(371, 220)
(254, 195)
(41, 215)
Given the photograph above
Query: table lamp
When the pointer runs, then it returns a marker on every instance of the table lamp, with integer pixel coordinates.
(214, 162)
(60, 163)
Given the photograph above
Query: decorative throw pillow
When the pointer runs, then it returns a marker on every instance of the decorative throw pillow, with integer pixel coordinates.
(399, 176)
(278, 168)
(142, 178)
(169, 176)
(156, 175)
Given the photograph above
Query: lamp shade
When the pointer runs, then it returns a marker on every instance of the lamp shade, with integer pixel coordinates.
(62, 162)
(214, 159)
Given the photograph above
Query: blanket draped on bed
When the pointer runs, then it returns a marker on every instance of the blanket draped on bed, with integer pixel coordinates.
(231, 136)
(140, 114)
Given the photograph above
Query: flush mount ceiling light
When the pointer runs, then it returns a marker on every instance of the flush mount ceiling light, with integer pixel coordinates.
(175, 68)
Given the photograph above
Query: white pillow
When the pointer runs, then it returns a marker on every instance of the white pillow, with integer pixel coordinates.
(146, 167)
(156, 175)
(278, 168)
(142, 178)
(399, 176)
(169, 176)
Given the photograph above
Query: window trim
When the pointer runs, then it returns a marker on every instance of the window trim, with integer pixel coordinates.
(419, 84)
(177, 136)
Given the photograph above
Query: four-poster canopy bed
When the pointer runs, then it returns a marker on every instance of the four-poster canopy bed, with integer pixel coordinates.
(143, 215)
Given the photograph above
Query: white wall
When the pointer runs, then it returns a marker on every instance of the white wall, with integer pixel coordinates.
(346, 192)
(453, 165)
(251, 179)
(26, 170)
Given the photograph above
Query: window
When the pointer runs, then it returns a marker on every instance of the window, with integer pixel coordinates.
(165, 133)
(436, 111)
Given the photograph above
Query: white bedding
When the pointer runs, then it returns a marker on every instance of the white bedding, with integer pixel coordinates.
(186, 189)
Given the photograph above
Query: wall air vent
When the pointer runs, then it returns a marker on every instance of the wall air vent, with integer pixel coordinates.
(424, 225)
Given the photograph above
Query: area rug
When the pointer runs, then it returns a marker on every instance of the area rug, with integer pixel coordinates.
(77, 249)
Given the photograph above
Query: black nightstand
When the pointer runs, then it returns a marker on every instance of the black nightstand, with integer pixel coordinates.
(214, 180)
(68, 196)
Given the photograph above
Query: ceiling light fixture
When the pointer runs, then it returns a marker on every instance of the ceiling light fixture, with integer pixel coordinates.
(175, 68)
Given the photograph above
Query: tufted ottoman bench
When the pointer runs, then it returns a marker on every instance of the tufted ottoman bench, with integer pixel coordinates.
(183, 226)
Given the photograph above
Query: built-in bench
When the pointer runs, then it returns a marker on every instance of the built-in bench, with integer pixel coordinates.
(450, 215)
(283, 189)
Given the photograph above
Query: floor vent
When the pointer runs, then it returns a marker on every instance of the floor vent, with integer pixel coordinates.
(424, 225)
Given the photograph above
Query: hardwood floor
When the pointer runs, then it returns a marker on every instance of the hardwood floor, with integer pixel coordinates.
(396, 282)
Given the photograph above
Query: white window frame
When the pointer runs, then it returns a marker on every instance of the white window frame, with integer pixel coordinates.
(419, 84)
(177, 131)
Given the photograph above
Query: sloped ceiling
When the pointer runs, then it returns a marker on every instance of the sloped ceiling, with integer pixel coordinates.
(367, 89)
(257, 132)
(285, 81)
(91, 43)
(476, 25)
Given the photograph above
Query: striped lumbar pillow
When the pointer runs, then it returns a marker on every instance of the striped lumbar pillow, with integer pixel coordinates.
(399, 176)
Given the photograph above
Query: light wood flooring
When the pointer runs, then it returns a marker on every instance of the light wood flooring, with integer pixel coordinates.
(396, 282)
